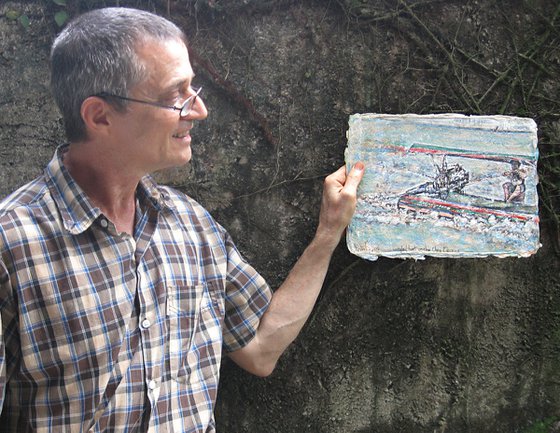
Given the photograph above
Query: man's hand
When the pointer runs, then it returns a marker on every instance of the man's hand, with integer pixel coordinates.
(338, 203)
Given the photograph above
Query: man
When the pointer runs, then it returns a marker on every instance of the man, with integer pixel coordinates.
(514, 189)
(117, 295)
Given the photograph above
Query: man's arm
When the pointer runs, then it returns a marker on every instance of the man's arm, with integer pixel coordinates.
(293, 302)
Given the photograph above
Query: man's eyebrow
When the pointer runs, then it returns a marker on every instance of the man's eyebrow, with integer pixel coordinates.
(178, 84)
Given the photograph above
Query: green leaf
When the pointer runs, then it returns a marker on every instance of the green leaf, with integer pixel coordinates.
(60, 2)
(12, 15)
(61, 17)
(24, 21)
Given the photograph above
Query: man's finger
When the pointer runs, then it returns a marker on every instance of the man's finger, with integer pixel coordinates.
(354, 178)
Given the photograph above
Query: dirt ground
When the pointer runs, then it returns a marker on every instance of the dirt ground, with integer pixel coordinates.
(439, 345)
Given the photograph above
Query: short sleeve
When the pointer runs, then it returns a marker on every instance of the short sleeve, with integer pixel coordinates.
(247, 298)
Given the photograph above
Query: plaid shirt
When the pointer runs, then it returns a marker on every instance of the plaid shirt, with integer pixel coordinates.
(102, 331)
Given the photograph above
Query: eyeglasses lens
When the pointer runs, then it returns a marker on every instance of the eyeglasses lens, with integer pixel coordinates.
(189, 104)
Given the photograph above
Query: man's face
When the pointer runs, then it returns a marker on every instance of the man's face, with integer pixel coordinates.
(154, 137)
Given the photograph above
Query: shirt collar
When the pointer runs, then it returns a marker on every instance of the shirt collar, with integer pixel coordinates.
(150, 192)
(76, 209)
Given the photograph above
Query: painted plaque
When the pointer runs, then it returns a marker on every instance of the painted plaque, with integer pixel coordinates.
(444, 185)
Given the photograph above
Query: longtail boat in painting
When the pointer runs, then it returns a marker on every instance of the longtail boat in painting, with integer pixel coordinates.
(464, 204)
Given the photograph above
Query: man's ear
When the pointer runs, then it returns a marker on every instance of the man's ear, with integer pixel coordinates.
(96, 114)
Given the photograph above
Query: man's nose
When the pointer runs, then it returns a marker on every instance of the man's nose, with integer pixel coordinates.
(198, 110)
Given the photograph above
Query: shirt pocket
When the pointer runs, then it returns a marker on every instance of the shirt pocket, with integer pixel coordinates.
(195, 317)
(183, 312)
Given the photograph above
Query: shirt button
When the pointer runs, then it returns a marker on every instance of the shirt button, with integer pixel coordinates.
(152, 384)
(146, 323)
(104, 223)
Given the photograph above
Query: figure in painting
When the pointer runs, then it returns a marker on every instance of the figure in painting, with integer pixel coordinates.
(514, 189)
(447, 179)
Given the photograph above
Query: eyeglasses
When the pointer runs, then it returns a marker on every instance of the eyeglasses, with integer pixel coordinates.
(184, 110)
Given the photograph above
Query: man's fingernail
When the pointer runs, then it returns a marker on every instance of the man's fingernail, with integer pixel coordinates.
(359, 165)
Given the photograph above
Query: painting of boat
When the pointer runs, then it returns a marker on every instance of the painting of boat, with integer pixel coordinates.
(444, 186)
(466, 205)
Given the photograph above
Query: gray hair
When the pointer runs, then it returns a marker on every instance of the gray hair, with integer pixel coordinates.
(96, 53)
